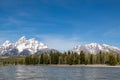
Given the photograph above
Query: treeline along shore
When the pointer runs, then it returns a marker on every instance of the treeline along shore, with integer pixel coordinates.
(66, 58)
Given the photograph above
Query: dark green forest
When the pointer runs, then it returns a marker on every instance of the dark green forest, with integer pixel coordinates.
(66, 58)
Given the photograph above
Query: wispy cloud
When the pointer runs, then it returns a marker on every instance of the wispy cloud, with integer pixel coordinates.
(59, 42)
(65, 4)
(115, 32)
(10, 21)
(24, 14)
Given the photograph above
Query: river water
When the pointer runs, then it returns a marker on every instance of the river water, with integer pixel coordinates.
(58, 73)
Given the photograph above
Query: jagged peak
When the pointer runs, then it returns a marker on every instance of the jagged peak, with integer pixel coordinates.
(23, 38)
(32, 39)
(89, 44)
(7, 42)
(105, 45)
(93, 43)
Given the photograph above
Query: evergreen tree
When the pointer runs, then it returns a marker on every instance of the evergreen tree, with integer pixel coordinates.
(82, 57)
(112, 59)
(91, 59)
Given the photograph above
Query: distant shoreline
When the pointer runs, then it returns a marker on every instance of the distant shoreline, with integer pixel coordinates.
(94, 65)
(67, 65)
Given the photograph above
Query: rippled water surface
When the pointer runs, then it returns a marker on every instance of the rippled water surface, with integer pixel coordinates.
(58, 73)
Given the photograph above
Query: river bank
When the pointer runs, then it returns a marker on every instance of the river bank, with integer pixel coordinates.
(94, 65)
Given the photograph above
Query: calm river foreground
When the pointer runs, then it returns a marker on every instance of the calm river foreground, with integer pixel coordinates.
(59, 73)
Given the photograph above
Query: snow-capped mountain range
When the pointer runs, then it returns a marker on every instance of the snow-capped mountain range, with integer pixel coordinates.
(95, 48)
(26, 47)
(23, 47)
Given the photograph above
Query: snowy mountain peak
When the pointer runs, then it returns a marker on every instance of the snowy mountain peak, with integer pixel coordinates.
(7, 43)
(31, 44)
(95, 48)
(22, 39)
(92, 44)
(32, 39)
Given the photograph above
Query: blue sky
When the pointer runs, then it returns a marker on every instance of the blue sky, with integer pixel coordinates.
(61, 24)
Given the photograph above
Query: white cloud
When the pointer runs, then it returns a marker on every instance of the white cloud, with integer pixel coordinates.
(59, 42)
